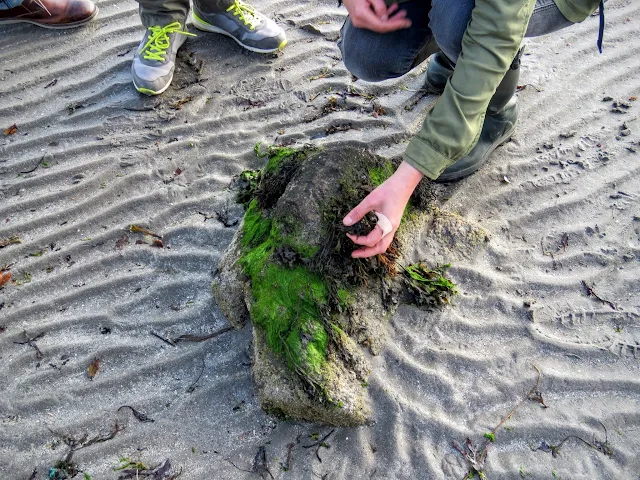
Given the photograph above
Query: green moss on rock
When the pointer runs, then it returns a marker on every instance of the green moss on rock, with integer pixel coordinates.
(297, 285)
(379, 174)
(286, 300)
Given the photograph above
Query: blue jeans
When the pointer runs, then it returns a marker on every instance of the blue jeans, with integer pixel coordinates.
(7, 4)
(375, 56)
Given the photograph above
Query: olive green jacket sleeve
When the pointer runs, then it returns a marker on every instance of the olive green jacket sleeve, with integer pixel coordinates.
(489, 45)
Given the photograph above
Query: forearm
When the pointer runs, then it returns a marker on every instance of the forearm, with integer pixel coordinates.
(407, 178)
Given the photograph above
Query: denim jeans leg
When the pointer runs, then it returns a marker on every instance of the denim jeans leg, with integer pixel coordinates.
(7, 4)
(374, 56)
(163, 12)
(546, 18)
(448, 21)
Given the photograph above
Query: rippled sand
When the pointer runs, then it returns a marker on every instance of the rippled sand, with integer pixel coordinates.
(91, 157)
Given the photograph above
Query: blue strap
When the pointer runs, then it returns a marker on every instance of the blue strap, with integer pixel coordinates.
(601, 29)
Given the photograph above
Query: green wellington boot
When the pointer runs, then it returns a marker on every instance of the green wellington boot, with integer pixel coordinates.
(499, 123)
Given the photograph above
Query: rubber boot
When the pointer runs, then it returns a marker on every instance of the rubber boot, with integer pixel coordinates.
(499, 124)
(439, 71)
(429, 49)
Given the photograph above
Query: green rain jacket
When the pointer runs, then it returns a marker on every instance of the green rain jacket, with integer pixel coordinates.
(492, 39)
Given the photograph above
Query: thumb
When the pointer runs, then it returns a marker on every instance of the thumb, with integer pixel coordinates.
(357, 213)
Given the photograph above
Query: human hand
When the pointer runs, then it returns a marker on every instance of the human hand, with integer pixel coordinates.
(374, 15)
(389, 199)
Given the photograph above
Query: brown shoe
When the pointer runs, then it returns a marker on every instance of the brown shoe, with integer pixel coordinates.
(51, 13)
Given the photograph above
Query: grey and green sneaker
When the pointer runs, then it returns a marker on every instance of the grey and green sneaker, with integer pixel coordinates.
(248, 27)
(155, 60)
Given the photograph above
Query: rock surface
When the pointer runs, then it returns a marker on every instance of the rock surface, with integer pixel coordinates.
(356, 331)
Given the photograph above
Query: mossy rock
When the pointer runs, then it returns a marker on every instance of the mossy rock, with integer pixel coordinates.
(229, 288)
(282, 393)
(318, 314)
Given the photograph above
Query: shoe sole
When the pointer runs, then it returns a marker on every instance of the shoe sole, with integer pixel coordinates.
(55, 27)
(207, 27)
(473, 169)
(148, 91)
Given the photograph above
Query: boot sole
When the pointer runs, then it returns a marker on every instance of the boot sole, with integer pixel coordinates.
(433, 90)
(54, 27)
(474, 168)
(207, 27)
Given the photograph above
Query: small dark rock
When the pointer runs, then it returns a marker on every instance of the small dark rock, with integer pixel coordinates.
(77, 178)
(625, 105)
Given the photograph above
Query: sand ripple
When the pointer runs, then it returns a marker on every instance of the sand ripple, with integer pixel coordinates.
(92, 157)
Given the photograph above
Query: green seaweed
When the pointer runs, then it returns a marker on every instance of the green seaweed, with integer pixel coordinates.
(12, 240)
(126, 462)
(282, 164)
(345, 297)
(256, 229)
(248, 180)
(277, 155)
(490, 436)
(430, 287)
(287, 300)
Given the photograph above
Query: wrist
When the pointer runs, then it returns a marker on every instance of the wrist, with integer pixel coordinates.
(409, 175)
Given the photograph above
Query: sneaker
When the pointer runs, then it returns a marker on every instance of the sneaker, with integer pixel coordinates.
(248, 27)
(155, 60)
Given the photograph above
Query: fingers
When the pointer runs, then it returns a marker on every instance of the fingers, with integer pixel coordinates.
(397, 22)
(365, 17)
(378, 239)
(381, 247)
(355, 215)
(369, 240)
(401, 15)
(384, 223)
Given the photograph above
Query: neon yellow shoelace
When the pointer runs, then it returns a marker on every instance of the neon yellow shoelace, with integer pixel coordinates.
(158, 42)
(245, 13)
